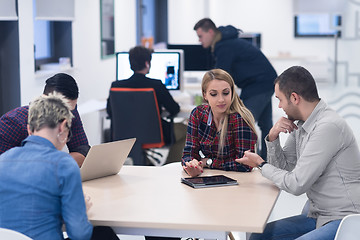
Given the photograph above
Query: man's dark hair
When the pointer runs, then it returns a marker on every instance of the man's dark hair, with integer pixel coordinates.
(138, 56)
(64, 84)
(299, 80)
(205, 24)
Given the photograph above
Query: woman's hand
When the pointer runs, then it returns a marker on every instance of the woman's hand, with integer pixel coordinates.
(193, 168)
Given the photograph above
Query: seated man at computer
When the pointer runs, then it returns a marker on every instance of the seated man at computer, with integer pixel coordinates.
(140, 58)
(13, 124)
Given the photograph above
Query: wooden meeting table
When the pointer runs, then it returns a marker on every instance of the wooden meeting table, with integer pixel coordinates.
(152, 201)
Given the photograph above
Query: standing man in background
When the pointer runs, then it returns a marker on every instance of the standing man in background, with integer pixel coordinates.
(13, 124)
(251, 70)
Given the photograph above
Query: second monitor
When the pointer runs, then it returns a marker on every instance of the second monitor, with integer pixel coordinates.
(165, 65)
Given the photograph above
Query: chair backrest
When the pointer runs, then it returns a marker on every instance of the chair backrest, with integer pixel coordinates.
(349, 228)
(12, 235)
(135, 113)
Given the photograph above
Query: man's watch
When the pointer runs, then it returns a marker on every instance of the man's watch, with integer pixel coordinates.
(262, 164)
(209, 162)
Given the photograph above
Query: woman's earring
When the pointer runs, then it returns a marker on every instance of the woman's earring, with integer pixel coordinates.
(63, 140)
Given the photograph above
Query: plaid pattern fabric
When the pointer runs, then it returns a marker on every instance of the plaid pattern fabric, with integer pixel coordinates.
(13, 129)
(204, 137)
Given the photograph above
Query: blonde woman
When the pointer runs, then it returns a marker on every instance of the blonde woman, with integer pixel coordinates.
(221, 130)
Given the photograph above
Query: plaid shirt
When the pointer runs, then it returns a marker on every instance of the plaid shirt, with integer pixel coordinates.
(13, 129)
(202, 136)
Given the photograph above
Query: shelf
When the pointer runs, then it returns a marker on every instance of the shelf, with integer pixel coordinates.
(13, 18)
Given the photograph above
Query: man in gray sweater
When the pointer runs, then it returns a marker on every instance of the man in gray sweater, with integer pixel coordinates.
(320, 158)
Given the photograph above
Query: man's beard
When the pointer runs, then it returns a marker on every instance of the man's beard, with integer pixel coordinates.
(291, 118)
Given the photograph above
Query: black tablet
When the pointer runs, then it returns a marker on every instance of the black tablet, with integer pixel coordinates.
(209, 181)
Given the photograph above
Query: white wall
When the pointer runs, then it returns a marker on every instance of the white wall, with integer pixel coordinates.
(29, 87)
(182, 16)
(275, 21)
(92, 73)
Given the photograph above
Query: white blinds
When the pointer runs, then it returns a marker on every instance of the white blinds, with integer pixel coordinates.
(55, 10)
(8, 10)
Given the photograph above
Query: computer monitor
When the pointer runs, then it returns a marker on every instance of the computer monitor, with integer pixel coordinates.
(253, 38)
(166, 66)
(196, 58)
(317, 25)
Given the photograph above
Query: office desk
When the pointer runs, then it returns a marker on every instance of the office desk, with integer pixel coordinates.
(146, 200)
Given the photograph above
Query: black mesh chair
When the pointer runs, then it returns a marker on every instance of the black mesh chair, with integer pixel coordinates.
(135, 113)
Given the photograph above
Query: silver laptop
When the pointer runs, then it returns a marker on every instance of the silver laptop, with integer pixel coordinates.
(105, 159)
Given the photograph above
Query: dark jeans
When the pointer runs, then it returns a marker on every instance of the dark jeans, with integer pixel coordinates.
(261, 107)
(160, 238)
(102, 233)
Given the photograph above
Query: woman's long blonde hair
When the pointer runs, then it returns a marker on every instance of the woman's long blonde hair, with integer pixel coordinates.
(236, 104)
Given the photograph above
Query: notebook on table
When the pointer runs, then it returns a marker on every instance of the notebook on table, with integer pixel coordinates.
(105, 159)
(209, 181)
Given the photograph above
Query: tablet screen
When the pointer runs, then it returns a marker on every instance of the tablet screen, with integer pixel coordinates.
(219, 180)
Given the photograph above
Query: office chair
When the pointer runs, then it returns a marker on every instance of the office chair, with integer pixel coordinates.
(9, 234)
(135, 113)
(349, 228)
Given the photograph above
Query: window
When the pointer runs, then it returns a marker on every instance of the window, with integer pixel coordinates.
(107, 28)
(42, 39)
(151, 22)
(52, 35)
(53, 40)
